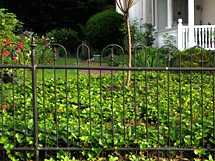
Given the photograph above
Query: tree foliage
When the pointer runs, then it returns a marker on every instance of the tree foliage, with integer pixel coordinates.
(41, 16)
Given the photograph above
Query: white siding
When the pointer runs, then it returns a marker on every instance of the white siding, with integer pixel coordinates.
(208, 7)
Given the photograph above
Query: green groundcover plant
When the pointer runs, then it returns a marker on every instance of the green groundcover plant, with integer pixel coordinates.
(64, 116)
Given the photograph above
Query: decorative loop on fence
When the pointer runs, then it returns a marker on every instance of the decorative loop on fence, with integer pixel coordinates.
(88, 51)
(55, 53)
(112, 56)
(14, 56)
(169, 56)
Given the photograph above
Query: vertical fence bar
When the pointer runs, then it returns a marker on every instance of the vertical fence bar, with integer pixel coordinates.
(2, 108)
(101, 109)
(135, 99)
(158, 106)
(14, 123)
(90, 97)
(112, 96)
(191, 100)
(147, 119)
(55, 93)
(213, 106)
(124, 95)
(180, 103)
(78, 90)
(44, 109)
(202, 103)
(169, 140)
(34, 91)
(67, 112)
(25, 108)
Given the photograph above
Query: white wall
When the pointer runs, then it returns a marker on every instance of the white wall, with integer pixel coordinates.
(159, 36)
(198, 12)
(208, 7)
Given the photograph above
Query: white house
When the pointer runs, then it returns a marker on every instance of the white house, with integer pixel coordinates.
(192, 22)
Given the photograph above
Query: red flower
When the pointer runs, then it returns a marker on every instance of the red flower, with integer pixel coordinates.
(18, 50)
(6, 53)
(8, 41)
(0, 43)
(21, 44)
(46, 41)
(4, 108)
(8, 105)
(15, 58)
(42, 42)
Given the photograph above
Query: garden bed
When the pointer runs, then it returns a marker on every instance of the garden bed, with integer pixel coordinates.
(114, 118)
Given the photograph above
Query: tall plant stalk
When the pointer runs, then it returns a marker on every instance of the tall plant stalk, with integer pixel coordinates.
(124, 6)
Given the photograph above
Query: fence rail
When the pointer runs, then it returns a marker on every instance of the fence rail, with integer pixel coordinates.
(167, 112)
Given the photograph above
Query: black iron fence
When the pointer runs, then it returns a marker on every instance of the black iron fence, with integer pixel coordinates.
(167, 111)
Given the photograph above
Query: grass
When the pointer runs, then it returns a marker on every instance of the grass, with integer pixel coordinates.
(60, 73)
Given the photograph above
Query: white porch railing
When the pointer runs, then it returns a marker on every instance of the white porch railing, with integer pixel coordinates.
(203, 36)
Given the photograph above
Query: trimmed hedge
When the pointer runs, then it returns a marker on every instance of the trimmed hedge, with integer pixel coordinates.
(103, 29)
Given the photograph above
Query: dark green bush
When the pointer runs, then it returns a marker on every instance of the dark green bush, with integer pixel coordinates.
(66, 37)
(103, 29)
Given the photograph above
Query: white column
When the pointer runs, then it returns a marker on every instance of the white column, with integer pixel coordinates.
(152, 3)
(156, 14)
(191, 22)
(180, 33)
(169, 14)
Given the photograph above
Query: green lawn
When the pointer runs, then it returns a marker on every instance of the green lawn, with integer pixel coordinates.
(60, 73)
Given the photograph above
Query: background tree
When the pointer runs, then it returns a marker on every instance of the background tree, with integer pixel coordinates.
(41, 16)
(125, 6)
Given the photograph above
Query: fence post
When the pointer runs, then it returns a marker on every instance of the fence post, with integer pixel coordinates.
(180, 33)
(34, 91)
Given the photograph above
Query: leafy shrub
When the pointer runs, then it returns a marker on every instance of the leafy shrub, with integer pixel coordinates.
(66, 37)
(103, 29)
(148, 37)
(198, 58)
(9, 23)
(140, 58)
(169, 39)
(138, 37)
(151, 57)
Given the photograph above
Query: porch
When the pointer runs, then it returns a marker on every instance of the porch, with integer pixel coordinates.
(196, 29)
(203, 36)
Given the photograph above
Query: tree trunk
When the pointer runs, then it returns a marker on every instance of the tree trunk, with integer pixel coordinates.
(129, 51)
